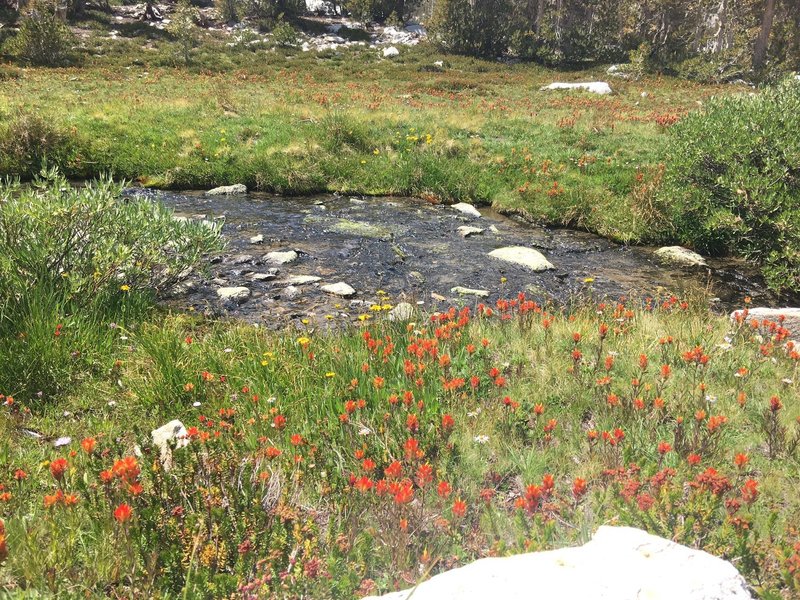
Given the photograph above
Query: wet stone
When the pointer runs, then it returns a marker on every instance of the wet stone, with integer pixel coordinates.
(339, 289)
(281, 258)
(463, 291)
(234, 294)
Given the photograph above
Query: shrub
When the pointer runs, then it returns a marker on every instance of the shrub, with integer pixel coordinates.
(284, 35)
(733, 181)
(43, 39)
(475, 29)
(74, 260)
(183, 28)
(29, 142)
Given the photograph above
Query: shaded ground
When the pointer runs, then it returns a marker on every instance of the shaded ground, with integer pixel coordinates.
(412, 251)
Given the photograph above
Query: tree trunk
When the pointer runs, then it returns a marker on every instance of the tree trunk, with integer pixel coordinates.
(762, 41)
(539, 17)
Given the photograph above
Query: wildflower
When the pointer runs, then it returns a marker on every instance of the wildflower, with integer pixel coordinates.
(123, 513)
(693, 459)
(741, 460)
(57, 468)
(125, 288)
(126, 469)
(443, 489)
(394, 470)
(750, 491)
(88, 444)
(459, 507)
(664, 447)
(20, 475)
(578, 488)
(775, 404)
(447, 422)
(424, 475)
(481, 439)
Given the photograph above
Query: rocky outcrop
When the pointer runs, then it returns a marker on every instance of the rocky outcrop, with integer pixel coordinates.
(595, 87)
(525, 257)
(788, 317)
(619, 563)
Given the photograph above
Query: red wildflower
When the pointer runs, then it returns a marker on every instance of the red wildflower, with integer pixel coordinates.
(443, 489)
(58, 467)
(459, 507)
(122, 513)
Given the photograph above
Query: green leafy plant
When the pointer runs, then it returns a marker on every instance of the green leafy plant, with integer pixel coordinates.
(43, 38)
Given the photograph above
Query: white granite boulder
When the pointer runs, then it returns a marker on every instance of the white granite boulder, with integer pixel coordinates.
(228, 190)
(339, 289)
(681, 256)
(281, 258)
(522, 256)
(169, 436)
(467, 209)
(619, 563)
(791, 317)
(234, 294)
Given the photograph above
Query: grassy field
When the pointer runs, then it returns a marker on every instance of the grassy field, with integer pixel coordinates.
(297, 123)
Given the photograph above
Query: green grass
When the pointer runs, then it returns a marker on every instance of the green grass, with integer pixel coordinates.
(201, 529)
(300, 123)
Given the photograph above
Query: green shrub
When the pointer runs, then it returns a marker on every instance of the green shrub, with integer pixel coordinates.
(29, 142)
(43, 39)
(733, 180)
(72, 262)
(284, 35)
(475, 29)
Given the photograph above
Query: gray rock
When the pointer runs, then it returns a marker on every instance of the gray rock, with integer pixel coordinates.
(165, 437)
(681, 256)
(241, 259)
(303, 279)
(390, 52)
(234, 294)
(402, 312)
(525, 257)
(339, 289)
(257, 239)
(791, 317)
(281, 258)
(269, 275)
(619, 563)
(228, 190)
(290, 293)
(465, 231)
(466, 209)
(462, 291)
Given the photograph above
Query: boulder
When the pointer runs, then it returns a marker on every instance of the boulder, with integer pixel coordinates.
(281, 258)
(791, 317)
(228, 190)
(257, 239)
(402, 312)
(466, 209)
(339, 289)
(169, 435)
(681, 256)
(522, 256)
(269, 275)
(234, 294)
(465, 231)
(619, 563)
(463, 291)
(390, 52)
(595, 87)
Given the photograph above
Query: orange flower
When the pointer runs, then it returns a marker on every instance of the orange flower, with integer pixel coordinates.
(664, 447)
(20, 475)
(53, 499)
(424, 475)
(459, 507)
(750, 491)
(443, 489)
(88, 444)
(123, 513)
(693, 459)
(106, 476)
(70, 500)
(578, 488)
(58, 467)
(126, 469)
(3, 546)
(741, 459)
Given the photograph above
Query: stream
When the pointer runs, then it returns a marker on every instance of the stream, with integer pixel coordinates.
(392, 250)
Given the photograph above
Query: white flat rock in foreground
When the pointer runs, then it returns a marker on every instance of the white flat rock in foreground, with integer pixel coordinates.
(525, 257)
(339, 289)
(596, 87)
(619, 563)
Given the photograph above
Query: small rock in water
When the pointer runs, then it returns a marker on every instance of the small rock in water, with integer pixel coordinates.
(681, 255)
(257, 239)
(173, 433)
(241, 259)
(402, 312)
(303, 279)
(339, 289)
(271, 274)
(281, 258)
(235, 294)
(466, 209)
(465, 231)
(595, 87)
(525, 257)
(228, 190)
(290, 293)
(462, 291)
(438, 297)
(390, 52)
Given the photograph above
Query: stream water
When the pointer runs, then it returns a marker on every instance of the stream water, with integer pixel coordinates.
(411, 251)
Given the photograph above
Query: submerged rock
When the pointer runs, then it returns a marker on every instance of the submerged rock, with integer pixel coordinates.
(228, 190)
(619, 563)
(339, 289)
(234, 294)
(466, 209)
(361, 229)
(303, 279)
(465, 231)
(595, 87)
(526, 257)
(681, 255)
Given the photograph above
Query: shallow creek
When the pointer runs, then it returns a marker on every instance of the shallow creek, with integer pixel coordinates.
(411, 251)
